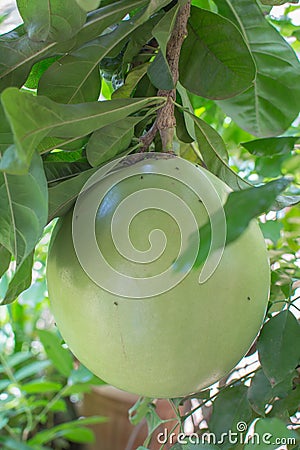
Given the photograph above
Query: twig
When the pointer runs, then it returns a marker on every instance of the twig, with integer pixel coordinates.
(165, 122)
(232, 383)
(49, 405)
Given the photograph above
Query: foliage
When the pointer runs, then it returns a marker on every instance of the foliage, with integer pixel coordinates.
(40, 382)
(237, 103)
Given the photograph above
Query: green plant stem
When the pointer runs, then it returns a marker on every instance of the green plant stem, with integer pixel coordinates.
(11, 432)
(49, 405)
(177, 412)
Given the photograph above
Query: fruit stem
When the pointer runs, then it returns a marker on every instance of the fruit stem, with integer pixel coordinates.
(165, 122)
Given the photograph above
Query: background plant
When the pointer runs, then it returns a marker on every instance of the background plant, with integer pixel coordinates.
(241, 124)
(40, 383)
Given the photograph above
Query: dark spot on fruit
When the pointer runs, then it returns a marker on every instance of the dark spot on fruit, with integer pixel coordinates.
(248, 298)
(116, 303)
(200, 200)
(177, 168)
(142, 177)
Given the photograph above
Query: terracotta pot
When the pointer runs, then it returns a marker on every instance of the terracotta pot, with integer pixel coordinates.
(118, 433)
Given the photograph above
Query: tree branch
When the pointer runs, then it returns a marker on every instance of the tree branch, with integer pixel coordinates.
(165, 122)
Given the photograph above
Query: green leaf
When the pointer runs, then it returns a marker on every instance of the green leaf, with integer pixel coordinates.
(215, 156)
(286, 407)
(47, 435)
(187, 105)
(18, 358)
(80, 375)
(60, 357)
(110, 140)
(12, 444)
(271, 146)
(181, 130)
(269, 167)
(20, 281)
(5, 258)
(58, 171)
(240, 208)
(215, 61)
(77, 389)
(97, 21)
(33, 118)
(81, 380)
(31, 369)
(82, 435)
(75, 77)
(51, 20)
(37, 71)
(18, 53)
(153, 422)
(279, 346)
(277, 2)
(48, 144)
(272, 103)
(23, 209)
(4, 385)
(131, 81)
(58, 406)
(261, 392)
(139, 38)
(40, 387)
(268, 431)
(6, 136)
(64, 194)
(139, 410)
(159, 70)
(271, 230)
(230, 407)
(3, 421)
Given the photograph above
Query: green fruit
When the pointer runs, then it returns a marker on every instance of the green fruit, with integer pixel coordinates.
(181, 340)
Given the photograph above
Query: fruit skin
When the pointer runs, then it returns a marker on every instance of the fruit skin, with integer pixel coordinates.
(173, 344)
